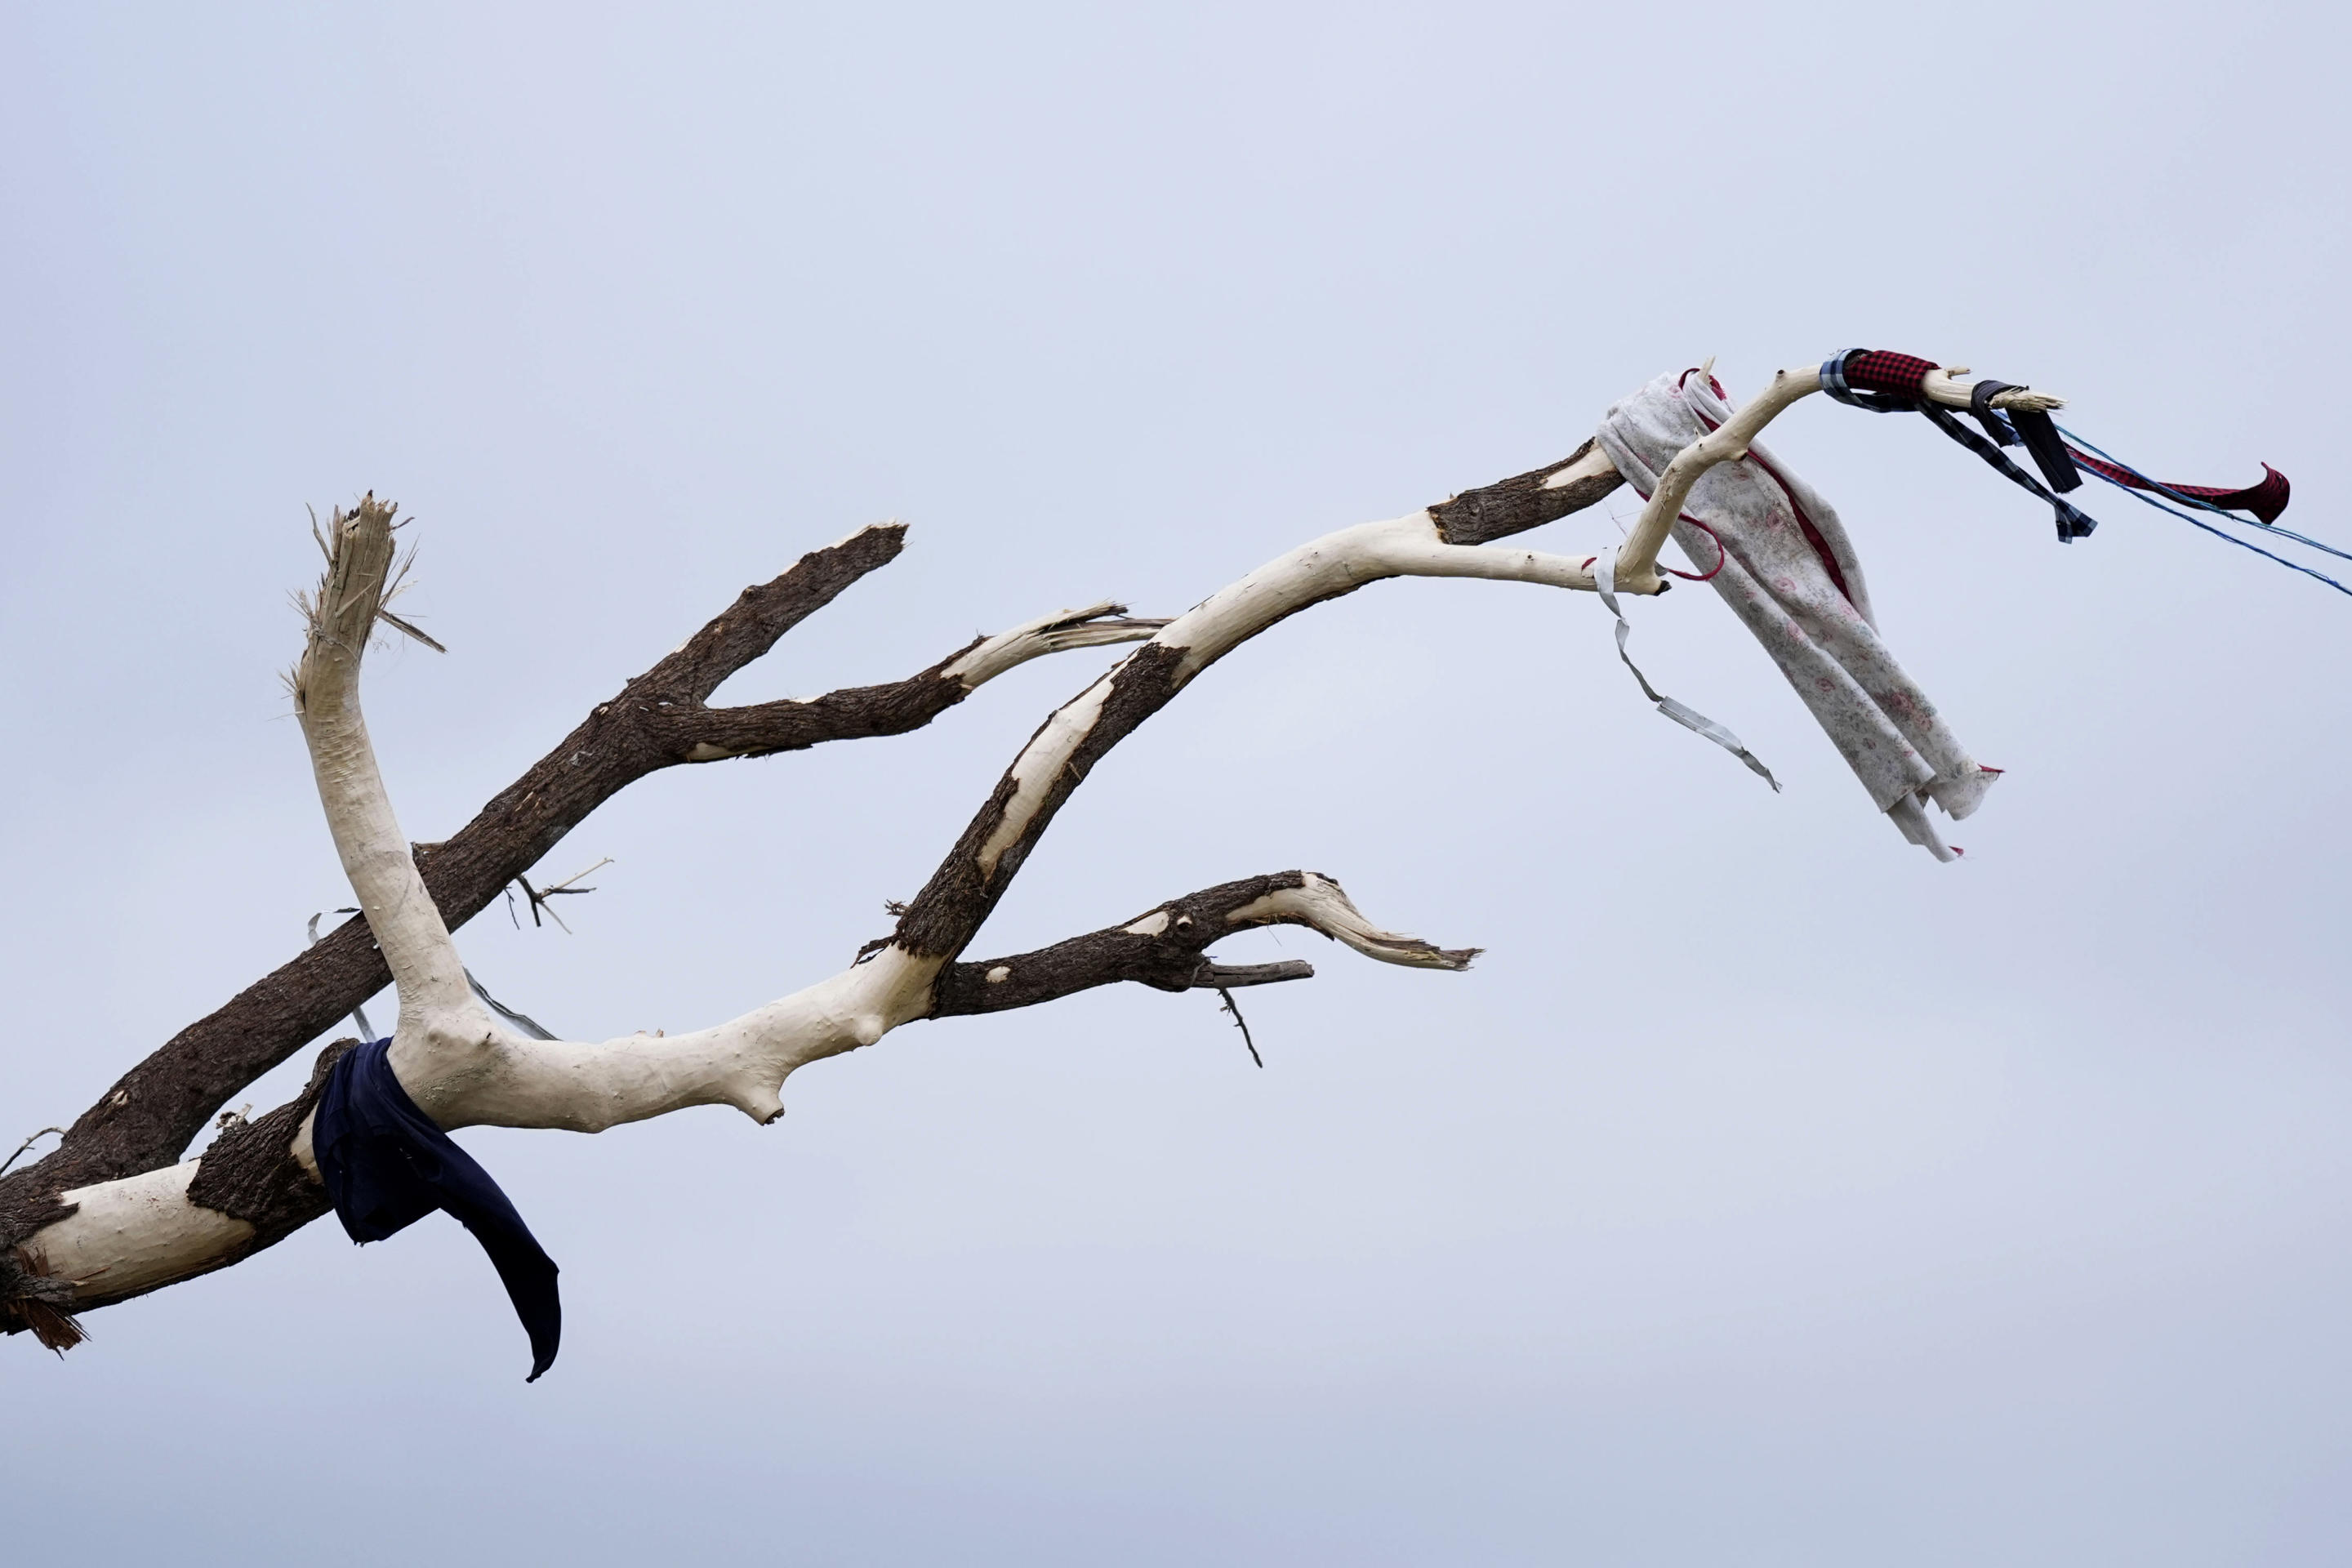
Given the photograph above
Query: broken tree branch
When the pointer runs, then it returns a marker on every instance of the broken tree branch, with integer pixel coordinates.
(1225, 1000)
(1529, 499)
(26, 1144)
(544, 897)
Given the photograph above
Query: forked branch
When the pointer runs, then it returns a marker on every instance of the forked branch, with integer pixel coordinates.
(659, 720)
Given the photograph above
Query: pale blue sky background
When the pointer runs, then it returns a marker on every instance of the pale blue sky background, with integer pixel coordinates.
(1768, 1195)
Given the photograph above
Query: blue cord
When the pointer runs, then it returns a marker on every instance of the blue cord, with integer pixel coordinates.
(2206, 505)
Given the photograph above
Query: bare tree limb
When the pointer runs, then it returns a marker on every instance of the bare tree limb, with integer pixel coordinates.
(1226, 1004)
(544, 897)
(258, 1181)
(1165, 948)
(402, 916)
(1529, 499)
(965, 889)
(152, 1114)
(691, 733)
(121, 1234)
(27, 1144)
(462, 1069)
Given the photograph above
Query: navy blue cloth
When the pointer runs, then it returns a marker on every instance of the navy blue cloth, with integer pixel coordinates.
(387, 1165)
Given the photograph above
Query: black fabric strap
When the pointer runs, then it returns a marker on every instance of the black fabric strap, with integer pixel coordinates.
(2072, 522)
(1980, 407)
(2041, 436)
(2029, 427)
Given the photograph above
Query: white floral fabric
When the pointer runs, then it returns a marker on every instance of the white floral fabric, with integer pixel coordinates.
(1791, 575)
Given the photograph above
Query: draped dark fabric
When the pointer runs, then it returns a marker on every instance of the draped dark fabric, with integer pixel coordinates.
(387, 1165)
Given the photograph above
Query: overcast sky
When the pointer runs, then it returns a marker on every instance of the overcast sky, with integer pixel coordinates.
(1769, 1194)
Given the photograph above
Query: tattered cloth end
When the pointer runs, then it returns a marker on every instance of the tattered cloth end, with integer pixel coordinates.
(1962, 789)
(1911, 819)
(1958, 792)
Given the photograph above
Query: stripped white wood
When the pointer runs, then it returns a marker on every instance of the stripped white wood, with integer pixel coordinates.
(136, 1234)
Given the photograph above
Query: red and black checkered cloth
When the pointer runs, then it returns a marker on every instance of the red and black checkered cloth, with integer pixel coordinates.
(2267, 500)
(1877, 370)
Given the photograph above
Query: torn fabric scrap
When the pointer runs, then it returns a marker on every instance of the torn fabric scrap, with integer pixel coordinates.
(1604, 582)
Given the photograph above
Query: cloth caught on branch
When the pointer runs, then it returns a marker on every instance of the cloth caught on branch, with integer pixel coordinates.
(1887, 383)
(387, 1165)
(1791, 576)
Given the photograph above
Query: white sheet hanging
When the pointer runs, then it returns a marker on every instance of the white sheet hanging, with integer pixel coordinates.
(1789, 574)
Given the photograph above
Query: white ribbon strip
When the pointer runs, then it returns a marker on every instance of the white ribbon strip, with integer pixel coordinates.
(1604, 582)
(523, 1021)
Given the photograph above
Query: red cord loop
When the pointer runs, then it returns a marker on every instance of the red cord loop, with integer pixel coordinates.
(1721, 554)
